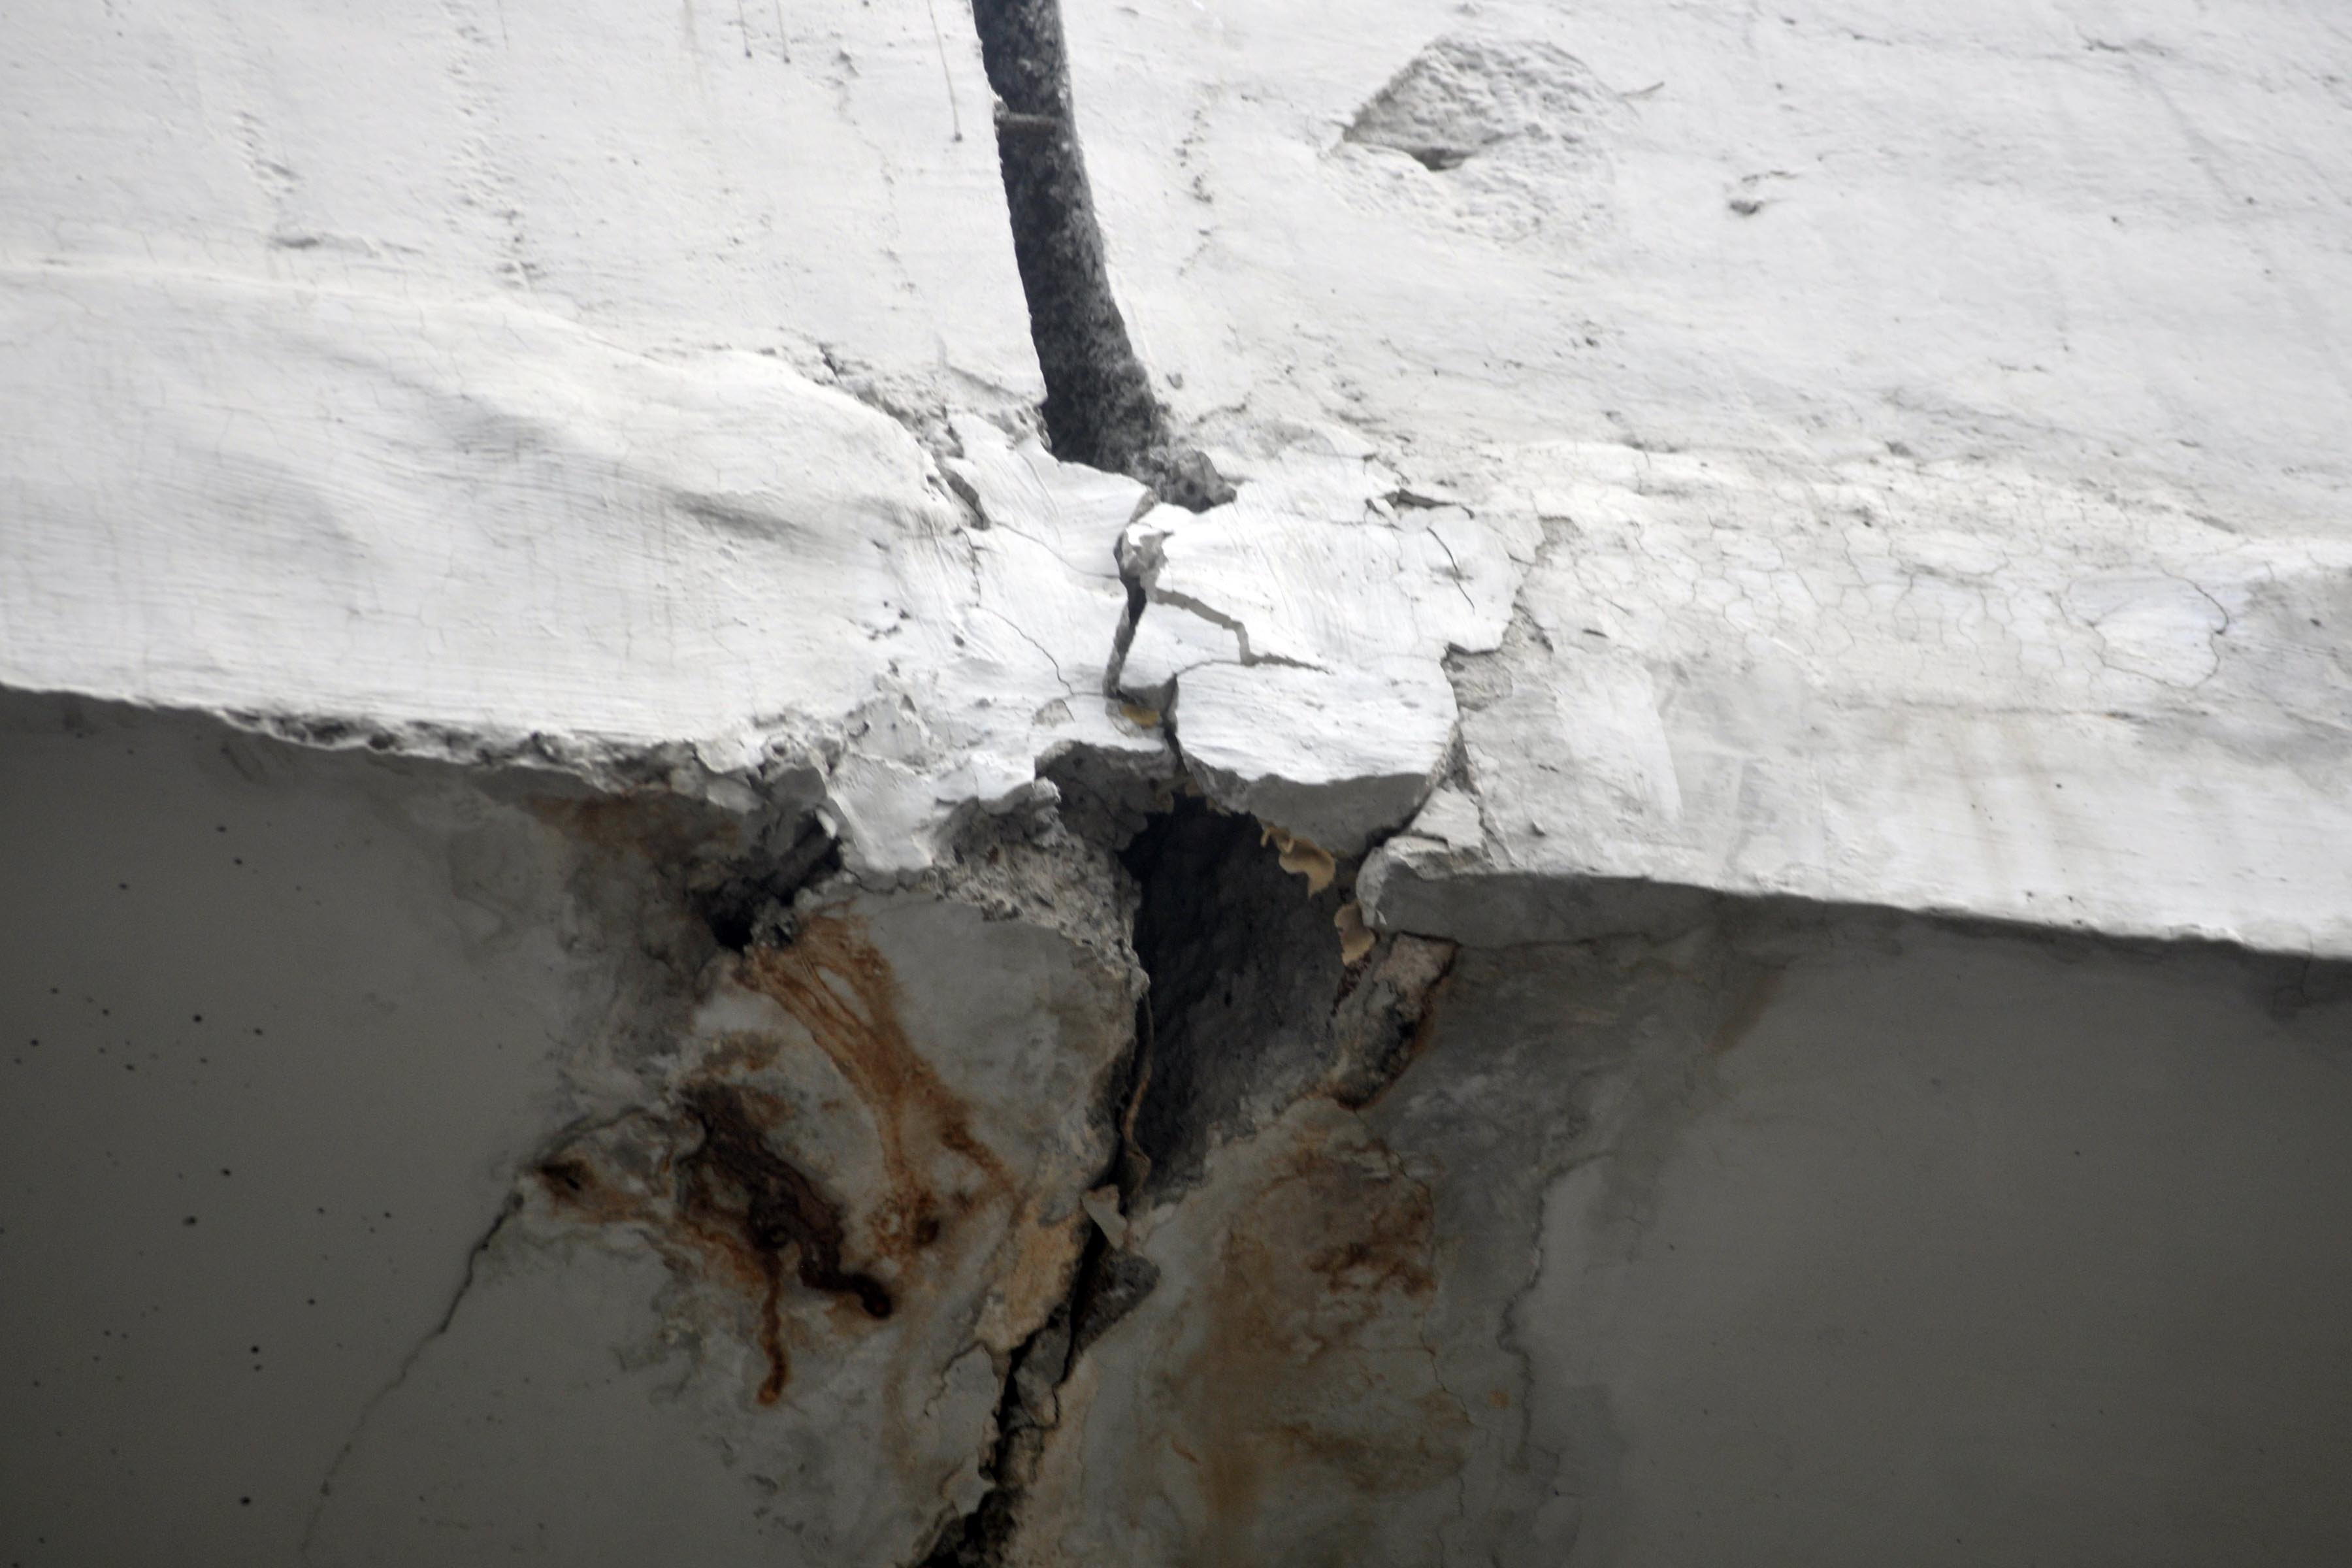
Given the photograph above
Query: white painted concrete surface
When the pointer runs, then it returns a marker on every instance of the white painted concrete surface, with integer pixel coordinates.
(1813, 543)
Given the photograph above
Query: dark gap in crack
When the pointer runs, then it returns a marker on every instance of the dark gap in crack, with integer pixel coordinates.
(760, 891)
(1123, 637)
(1253, 1001)
(1100, 408)
(1107, 1284)
(1249, 1005)
(1244, 964)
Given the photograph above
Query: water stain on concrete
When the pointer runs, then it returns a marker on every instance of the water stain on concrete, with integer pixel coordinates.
(1747, 1012)
(1313, 1376)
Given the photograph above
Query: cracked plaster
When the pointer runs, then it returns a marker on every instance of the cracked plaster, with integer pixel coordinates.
(1699, 477)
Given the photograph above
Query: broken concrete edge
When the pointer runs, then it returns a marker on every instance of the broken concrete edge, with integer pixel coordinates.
(1401, 881)
(1489, 909)
(774, 1223)
(1404, 883)
(1293, 642)
(1410, 881)
(1341, 815)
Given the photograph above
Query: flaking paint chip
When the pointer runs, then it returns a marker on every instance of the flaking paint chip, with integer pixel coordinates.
(1355, 937)
(1306, 858)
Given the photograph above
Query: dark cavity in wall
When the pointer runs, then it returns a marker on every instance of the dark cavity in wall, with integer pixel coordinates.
(1245, 964)
(1252, 1002)
(1100, 408)
(1249, 1005)
(761, 888)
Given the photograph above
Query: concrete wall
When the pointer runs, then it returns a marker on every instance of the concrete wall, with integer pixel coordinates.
(1962, 1250)
(352, 1211)
(280, 1027)
(646, 1062)
(1846, 1240)
(1826, 1238)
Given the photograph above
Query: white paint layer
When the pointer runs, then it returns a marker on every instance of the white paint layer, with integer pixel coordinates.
(815, 179)
(1949, 688)
(1935, 421)
(469, 527)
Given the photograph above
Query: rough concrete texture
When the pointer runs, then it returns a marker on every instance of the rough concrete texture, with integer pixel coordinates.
(1926, 426)
(455, 1159)
(1189, 784)
(1828, 1240)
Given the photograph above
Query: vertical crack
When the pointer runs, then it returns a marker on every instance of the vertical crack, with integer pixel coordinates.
(1252, 1000)
(1257, 996)
(1108, 1283)
(1099, 409)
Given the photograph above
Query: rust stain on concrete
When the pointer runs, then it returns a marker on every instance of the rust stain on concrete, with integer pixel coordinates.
(712, 1180)
(1747, 1013)
(577, 1188)
(755, 1205)
(656, 825)
(1037, 1260)
(1314, 1371)
(837, 985)
(717, 1200)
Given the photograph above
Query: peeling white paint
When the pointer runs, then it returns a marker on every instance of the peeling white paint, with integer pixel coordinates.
(1717, 498)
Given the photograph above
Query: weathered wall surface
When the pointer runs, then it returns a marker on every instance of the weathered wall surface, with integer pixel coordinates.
(279, 1028)
(400, 1158)
(1826, 1241)
(1665, 880)
(1793, 1238)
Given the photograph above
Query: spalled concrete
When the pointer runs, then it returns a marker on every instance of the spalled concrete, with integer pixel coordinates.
(1185, 784)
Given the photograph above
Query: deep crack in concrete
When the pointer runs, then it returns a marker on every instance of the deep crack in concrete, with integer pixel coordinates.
(1249, 1005)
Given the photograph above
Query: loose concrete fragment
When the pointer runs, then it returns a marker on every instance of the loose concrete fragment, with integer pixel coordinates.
(1405, 885)
(1169, 640)
(1303, 858)
(1377, 1028)
(1356, 938)
(1334, 756)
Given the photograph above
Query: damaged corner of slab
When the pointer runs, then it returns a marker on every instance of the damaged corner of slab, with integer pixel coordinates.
(776, 884)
